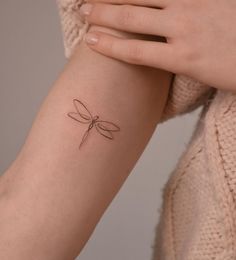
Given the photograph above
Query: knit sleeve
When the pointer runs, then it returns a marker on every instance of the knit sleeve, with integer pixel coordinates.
(185, 94)
(73, 25)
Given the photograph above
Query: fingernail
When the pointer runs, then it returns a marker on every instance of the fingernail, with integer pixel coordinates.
(85, 9)
(91, 38)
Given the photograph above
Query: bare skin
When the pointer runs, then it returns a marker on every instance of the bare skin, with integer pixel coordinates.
(201, 36)
(54, 194)
(84, 116)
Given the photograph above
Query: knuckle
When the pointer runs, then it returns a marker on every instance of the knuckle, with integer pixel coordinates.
(188, 58)
(186, 25)
(110, 47)
(134, 54)
(98, 13)
(126, 16)
(183, 26)
(186, 3)
(190, 5)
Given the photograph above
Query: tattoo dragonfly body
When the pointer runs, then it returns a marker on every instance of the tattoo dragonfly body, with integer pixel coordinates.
(84, 116)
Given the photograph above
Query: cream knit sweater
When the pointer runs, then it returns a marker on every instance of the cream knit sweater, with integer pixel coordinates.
(198, 214)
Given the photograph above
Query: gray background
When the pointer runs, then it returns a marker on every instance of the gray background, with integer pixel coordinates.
(31, 54)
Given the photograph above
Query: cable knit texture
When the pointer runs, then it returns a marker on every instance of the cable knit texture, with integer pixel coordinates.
(198, 213)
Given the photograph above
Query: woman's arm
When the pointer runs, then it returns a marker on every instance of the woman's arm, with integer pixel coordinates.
(54, 193)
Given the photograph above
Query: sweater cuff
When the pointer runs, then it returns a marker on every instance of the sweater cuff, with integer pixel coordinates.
(185, 95)
(73, 25)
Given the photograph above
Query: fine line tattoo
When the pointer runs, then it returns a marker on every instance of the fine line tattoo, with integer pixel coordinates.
(83, 116)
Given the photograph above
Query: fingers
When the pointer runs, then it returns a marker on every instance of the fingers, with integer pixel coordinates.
(130, 18)
(151, 3)
(154, 54)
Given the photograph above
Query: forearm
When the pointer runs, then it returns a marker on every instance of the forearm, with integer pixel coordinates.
(55, 193)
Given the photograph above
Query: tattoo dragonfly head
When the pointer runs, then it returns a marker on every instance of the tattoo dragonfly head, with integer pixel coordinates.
(95, 118)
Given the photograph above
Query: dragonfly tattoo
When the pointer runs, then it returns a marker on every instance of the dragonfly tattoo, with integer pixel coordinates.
(82, 115)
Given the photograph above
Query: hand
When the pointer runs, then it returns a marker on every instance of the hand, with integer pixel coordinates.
(200, 36)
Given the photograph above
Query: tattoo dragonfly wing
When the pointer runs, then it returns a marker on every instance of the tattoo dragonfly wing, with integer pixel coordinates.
(106, 128)
(82, 114)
